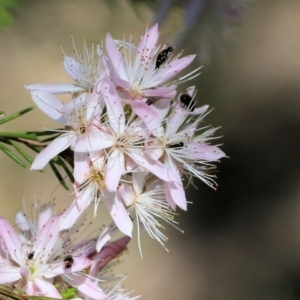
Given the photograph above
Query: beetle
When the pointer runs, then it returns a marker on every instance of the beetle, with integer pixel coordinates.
(162, 56)
(68, 261)
(30, 255)
(187, 102)
(177, 146)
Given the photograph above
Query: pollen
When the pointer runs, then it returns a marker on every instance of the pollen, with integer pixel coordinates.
(98, 178)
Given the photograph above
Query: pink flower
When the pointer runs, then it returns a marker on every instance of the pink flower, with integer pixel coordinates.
(89, 174)
(135, 72)
(179, 145)
(80, 118)
(85, 69)
(147, 203)
(31, 268)
(106, 254)
(34, 265)
(121, 139)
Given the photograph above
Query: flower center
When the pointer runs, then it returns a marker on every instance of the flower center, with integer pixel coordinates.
(97, 178)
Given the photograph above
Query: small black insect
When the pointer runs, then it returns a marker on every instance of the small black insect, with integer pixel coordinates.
(162, 56)
(151, 100)
(177, 146)
(68, 261)
(187, 101)
(30, 255)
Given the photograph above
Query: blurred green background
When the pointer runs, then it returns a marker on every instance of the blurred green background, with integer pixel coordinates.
(241, 241)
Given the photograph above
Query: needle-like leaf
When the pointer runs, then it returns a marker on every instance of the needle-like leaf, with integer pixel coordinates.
(8, 152)
(16, 115)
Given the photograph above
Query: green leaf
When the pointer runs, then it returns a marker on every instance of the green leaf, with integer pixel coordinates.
(19, 135)
(22, 152)
(16, 115)
(58, 175)
(48, 132)
(65, 167)
(35, 148)
(7, 151)
(6, 18)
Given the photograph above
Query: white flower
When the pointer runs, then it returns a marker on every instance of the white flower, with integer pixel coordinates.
(80, 117)
(85, 69)
(31, 267)
(147, 202)
(35, 265)
(179, 146)
(135, 71)
(120, 139)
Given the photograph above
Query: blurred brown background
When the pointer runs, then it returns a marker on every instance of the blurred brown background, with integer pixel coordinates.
(242, 241)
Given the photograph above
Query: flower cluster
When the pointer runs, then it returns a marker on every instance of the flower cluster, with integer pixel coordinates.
(46, 258)
(134, 134)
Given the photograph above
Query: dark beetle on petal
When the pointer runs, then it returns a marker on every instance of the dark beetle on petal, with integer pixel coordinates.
(177, 146)
(68, 261)
(30, 255)
(162, 56)
(187, 102)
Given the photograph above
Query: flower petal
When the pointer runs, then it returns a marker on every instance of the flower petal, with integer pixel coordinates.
(199, 110)
(114, 170)
(119, 82)
(107, 253)
(161, 107)
(176, 192)
(148, 41)
(118, 212)
(152, 115)
(146, 113)
(85, 196)
(9, 274)
(32, 289)
(95, 104)
(175, 66)
(45, 215)
(68, 218)
(81, 167)
(47, 288)
(170, 95)
(85, 286)
(22, 222)
(75, 104)
(114, 106)
(93, 141)
(175, 188)
(12, 240)
(138, 181)
(159, 91)
(127, 194)
(74, 68)
(50, 105)
(154, 166)
(106, 235)
(55, 88)
(176, 119)
(169, 198)
(115, 57)
(190, 91)
(206, 152)
(46, 239)
(58, 145)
